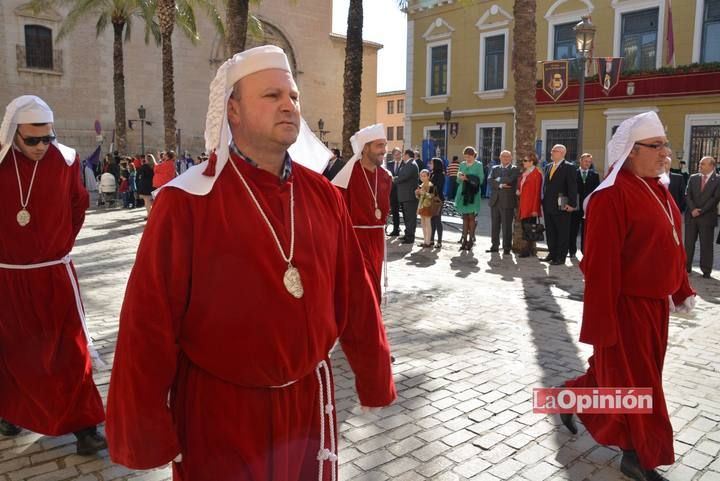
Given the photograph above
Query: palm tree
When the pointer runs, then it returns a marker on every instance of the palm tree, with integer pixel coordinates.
(352, 82)
(170, 13)
(239, 24)
(524, 73)
(120, 14)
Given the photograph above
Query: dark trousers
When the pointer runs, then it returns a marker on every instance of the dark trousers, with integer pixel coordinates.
(557, 229)
(436, 225)
(395, 210)
(452, 189)
(577, 226)
(409, 210)
(705, 232)
(501, 218)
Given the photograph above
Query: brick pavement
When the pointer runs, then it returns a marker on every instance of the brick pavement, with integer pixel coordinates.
(472, 335)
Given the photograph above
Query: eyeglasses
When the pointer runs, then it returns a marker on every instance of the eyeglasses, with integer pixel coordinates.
(33, 141)
(657, 147)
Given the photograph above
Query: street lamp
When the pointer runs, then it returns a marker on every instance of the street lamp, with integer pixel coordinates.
(142, 112)
(584, 36)
(447, 115)
(322, 131)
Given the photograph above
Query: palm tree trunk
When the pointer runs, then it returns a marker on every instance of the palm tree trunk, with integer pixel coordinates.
(524, 73)
(119, 88)
(237, 25)
(166, 15)
(352, 85)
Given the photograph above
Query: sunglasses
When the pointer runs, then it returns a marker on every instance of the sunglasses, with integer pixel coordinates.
(33, 141)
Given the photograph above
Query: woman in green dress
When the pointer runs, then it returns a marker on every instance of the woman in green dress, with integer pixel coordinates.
(467, 200)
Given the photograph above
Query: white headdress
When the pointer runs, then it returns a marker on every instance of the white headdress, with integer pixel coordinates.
(358, 141)
(28, 109)
(308, 149)
(639, 127)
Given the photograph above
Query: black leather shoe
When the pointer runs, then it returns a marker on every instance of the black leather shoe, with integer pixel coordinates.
(408, 241)
(706, 275)
(89, 441)
(652, 475)
(8, 428)
(556, 263)
(630, 466)
(506, 251)
(491, 250)
(394, 234)
(524, 255)
(547, 259)
(569, 421)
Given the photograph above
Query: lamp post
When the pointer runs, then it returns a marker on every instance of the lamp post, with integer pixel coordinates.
(322, 131)
(584, 36)
(141, 114)
(447, 115)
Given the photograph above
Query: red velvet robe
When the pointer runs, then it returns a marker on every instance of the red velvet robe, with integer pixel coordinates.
(360, 203)
(207, 318)
(46, 382)
(631, 265)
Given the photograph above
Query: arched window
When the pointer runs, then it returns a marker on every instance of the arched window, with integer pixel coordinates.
(38, 47)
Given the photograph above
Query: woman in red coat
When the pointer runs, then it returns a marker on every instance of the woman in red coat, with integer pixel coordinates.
(165, 171)
(529, 189)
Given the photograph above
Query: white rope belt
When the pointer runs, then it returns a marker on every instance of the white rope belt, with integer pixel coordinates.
(384, 267)
(322, 372)
(78, 303)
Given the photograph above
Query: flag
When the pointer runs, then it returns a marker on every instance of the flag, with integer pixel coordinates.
(93, 159)
(555, 78)
(669, 36)
(608, 72)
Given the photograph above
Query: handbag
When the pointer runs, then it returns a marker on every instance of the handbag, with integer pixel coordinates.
(436, 205)
(533, 232)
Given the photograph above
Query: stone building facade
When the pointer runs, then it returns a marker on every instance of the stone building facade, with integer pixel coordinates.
(75, 74)
(391, 113)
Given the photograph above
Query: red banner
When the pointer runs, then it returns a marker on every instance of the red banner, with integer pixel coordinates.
(609, 72)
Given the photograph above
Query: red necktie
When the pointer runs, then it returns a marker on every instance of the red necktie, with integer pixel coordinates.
(702, 183)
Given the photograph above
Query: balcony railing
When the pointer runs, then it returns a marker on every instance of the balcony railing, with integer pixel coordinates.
(41, 63)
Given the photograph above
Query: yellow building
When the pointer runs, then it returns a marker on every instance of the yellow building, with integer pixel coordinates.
(460, 54)
(390, 111)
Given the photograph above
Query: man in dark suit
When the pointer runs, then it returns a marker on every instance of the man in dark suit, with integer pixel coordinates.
(393, 166)
(676, 186)
(503, 178)
(587, 181)
(334, 166)
(559, 200)
(406, 182)
(703, 195)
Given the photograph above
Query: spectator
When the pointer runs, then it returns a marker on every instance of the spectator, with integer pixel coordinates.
(145, 181)
(437, 179)
(467, 199)
(529, 188)
(452, 172)
(165, 170)
(424, 195)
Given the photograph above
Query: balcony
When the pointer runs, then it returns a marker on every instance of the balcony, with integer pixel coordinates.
(54, 67)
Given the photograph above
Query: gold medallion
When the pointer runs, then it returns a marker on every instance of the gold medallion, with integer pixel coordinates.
(378, 214)
(23, 217)
(292, 282)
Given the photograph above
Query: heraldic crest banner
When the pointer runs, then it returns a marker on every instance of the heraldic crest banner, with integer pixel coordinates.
(555, 78)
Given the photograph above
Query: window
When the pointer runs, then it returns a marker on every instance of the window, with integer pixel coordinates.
(638, 41)
(390, 105)
(390, 133)
(566, 137)
(566, 48)
(399, 131)
(400, 106)
(38, 47)
(711, 32)
(494, 61)
(490, 143)
(439, 70)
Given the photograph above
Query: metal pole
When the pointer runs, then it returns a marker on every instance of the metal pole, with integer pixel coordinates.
(142, 137)
(447, 127)
(581, 106)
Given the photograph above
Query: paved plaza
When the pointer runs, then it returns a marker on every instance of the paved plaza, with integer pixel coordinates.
(472, 335)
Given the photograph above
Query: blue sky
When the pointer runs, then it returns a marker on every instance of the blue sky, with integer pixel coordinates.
(384, 23)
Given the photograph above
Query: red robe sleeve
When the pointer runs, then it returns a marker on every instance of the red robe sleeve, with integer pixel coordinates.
(601, 264)
(362, 332)
(80, 200)
(140, 429)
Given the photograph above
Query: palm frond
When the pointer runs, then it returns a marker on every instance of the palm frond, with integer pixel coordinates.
(102, 23)
(185, 20)
(255, 28)
(128, 29)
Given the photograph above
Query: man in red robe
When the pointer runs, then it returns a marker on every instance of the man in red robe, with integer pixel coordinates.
(247, 273)
(366, 187)
(46, 382)
(634, 267)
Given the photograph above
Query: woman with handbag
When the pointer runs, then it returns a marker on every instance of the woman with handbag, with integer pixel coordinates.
(467, 200)
(529, 189)
(424, 193)
(437, 179)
